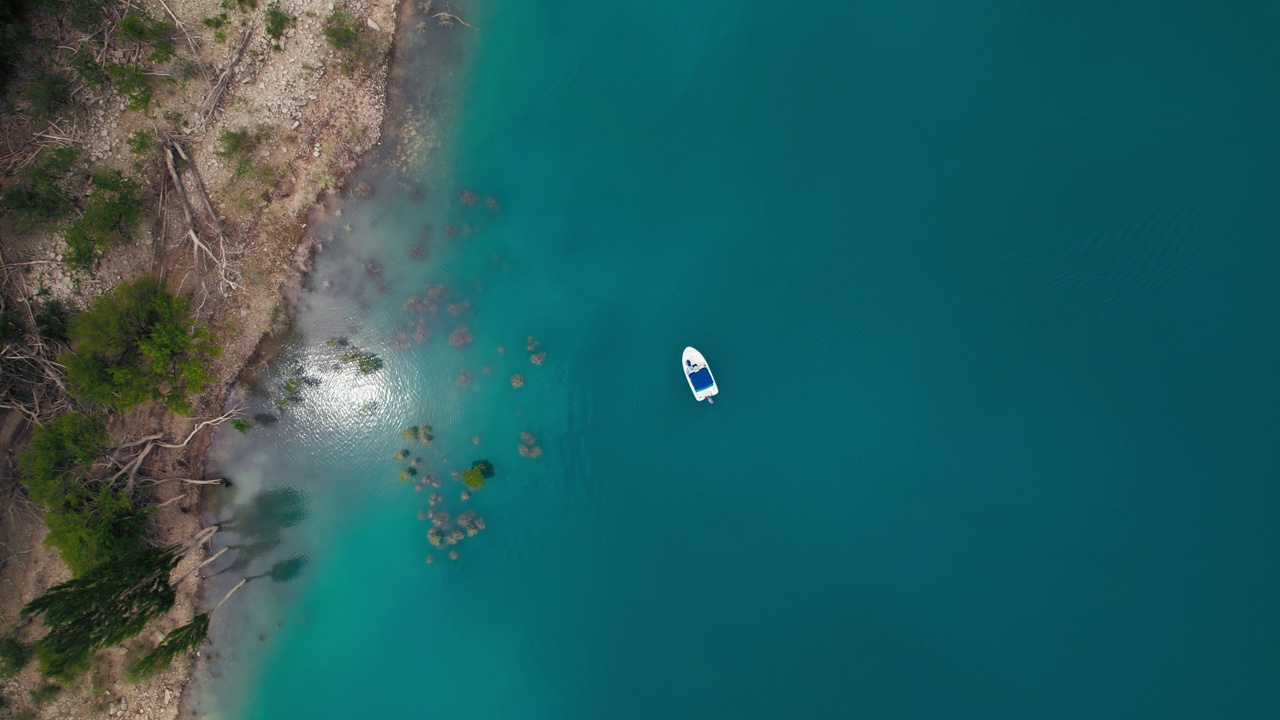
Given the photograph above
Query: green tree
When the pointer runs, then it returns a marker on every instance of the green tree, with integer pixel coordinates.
(88, 522)
(107, 605)
(137, 344)
(58, 455)
(99, 524)
(191, 636)
(184, 639)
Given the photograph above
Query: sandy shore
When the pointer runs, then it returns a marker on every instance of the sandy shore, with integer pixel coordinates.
(316, 121)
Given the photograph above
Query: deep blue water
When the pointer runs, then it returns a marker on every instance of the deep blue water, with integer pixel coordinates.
(990, 292)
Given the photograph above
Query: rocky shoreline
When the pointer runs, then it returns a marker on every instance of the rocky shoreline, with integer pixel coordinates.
(317, 111)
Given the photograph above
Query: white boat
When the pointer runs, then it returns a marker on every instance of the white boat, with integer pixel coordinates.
(698, 373)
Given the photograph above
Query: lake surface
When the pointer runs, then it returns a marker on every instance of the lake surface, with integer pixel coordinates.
(990, 291)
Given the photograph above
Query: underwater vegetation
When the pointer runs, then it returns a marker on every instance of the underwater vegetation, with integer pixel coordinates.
(461, 337)
(366, 363)
(419, 433)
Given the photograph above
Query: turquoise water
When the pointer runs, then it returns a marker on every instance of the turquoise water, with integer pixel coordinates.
(990, 293)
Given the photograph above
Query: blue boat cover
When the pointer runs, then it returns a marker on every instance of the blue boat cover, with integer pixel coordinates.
(702, 380)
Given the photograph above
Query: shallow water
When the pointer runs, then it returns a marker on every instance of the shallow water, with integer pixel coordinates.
(990, 295)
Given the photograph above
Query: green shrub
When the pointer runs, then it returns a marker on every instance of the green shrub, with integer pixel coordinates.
(39, 195)
(162, 53)
(48, 94)
(241, 5)
(51, 321)
(366, 363)
(45, 694)
(110, 215)
(10, 328)
(241, 425)
(131, 84)
(473, 478)
(341, 29)
(278, 21)
(218, 23)
(137, 26)
(15, 32)
(141, 141)
(14, 656)
(85, 63)
(235, 143)
(137, 344)
(86, 15)
(360, 48)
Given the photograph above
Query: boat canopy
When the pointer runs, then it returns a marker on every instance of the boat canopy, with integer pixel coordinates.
(701, 379)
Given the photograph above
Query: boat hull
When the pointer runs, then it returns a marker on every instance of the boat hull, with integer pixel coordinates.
(698, 373)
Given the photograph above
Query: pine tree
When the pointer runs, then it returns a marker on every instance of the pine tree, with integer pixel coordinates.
(107, 605)
(191, 636)
(184, 639)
